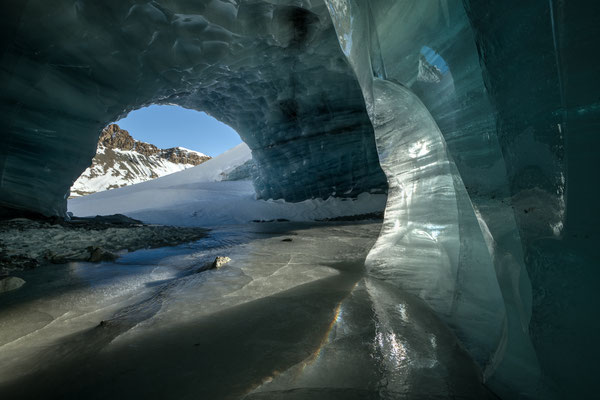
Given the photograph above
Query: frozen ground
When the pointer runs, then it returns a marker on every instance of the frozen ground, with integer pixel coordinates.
(293, 319)
(199, 197)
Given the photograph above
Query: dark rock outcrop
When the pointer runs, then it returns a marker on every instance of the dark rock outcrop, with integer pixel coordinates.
(113, 137)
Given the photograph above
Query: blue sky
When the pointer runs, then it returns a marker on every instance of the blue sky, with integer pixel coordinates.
(171, 126)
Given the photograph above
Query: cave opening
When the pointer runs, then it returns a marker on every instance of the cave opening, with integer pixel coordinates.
(472, 124)
(152, 142)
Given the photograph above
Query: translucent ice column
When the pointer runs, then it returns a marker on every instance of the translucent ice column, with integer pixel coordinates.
(457, 249)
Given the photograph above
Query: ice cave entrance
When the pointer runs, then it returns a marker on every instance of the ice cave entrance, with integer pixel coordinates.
(152, 142)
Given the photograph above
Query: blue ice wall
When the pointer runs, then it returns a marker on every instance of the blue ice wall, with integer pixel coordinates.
(540, 66)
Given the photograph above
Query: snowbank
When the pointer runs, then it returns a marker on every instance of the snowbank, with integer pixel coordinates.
(198, 197)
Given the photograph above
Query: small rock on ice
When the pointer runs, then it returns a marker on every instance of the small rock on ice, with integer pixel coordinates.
(220, 261)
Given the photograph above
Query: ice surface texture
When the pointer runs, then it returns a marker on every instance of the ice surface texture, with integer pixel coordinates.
(274, 72)
(484, 116)
(286, 318)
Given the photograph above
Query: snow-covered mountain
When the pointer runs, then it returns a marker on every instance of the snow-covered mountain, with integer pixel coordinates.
(121, 161)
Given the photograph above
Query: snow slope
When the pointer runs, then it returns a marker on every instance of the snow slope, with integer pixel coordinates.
(199, 196)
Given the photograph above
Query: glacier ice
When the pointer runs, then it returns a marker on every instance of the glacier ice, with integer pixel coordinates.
(432, 242)
(481, 117)
(471, 150)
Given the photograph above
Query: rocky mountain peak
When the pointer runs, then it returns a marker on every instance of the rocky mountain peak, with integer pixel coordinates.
(121, 160)
(115, 138)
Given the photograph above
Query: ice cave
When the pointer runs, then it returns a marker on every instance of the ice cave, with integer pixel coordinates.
(467, 126)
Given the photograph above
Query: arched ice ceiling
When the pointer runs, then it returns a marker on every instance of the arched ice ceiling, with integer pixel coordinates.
(271, 70)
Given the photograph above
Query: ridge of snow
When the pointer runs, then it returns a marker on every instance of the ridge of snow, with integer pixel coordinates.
(191, 151)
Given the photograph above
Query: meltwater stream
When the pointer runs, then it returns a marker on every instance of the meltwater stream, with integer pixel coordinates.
(292, 316)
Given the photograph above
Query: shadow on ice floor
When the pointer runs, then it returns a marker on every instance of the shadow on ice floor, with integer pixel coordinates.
(285, 319)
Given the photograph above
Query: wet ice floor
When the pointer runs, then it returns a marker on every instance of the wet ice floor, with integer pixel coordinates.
(285, 319)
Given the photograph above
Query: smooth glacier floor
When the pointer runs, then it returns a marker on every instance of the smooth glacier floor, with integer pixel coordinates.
(284, 320)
